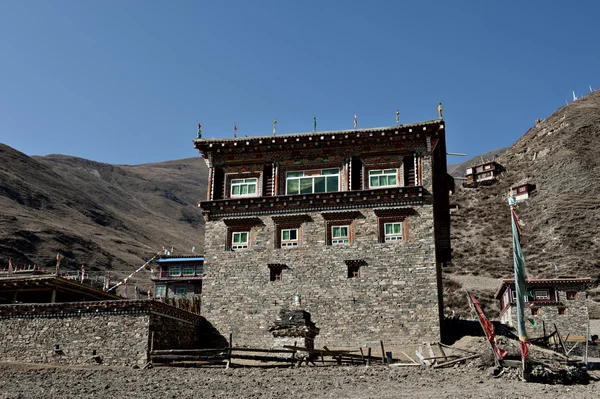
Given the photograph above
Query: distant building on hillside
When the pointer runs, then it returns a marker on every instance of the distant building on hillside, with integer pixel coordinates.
(521, 192)
(560, 301)
(482, 174)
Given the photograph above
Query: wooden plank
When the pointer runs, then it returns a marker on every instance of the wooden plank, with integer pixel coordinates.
(451, 362)
(382, 352)
(442, 351)
(404, 365)
(409, 358)
(458, 349)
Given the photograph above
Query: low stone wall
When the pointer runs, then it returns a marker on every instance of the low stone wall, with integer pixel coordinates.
(110, 333)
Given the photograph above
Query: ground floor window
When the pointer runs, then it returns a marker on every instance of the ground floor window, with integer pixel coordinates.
(160, 291)
(353, 271)
(562, 311)
(289, 238)
(393, 231)
(180, 290)
(275, 272)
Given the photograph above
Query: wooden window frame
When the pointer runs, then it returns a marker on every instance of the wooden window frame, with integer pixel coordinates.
(243, 247)
(180, 287)
(289, 243)
(244, 183)
(393, 237)
(382, 221)
(344, 240)
(539, 298)
(353, 271)
(192, 268)
(173, 267)
(571, 295)
(562, 311)
(198, 289)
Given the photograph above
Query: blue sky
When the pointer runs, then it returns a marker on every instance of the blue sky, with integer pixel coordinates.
(127, 81)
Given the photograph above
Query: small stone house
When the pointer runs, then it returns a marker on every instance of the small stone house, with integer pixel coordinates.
(521, 192)
(560, 301)
(178, 281)
(482, 174)
(356, 222)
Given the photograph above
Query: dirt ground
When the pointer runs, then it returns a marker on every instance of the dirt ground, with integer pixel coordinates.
(465, 381)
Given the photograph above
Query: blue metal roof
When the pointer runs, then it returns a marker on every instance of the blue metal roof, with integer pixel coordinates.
(186, 259)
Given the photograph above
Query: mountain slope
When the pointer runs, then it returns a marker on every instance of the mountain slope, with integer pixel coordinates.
(562, 219)
(106, 216)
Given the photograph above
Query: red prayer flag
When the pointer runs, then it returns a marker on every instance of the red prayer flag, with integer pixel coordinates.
(487, 326)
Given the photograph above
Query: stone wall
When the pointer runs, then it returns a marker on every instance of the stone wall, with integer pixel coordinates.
(395, 299)
(110, 333)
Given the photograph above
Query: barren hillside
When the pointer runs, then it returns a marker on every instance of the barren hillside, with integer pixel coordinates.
(105, 216)
(561, 232)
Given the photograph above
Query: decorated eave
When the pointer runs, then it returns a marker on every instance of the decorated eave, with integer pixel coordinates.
(175, 259)
(315, 202)
(548, 281)
(411, 131)
(34, 283)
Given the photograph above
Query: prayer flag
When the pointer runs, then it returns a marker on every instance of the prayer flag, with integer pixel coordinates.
(487, 326)
(234, 131)
(355, 121)
(520, 277)
(10, 266)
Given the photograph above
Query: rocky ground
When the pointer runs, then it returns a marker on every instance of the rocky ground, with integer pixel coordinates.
(465, 381)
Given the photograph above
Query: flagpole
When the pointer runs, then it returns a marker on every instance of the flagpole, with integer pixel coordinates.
(520, 284)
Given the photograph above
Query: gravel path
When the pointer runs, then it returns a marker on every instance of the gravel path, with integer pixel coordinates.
(467, 381)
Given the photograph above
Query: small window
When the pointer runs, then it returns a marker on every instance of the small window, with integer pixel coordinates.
(174, 271)
(571, 295)
(160, 291)
(244, 187)
(487, 167)
(340, 235)
(562, 311)
(383, 178)
(522, 189)
(541, 294)
(199, 270)
(275, 272)
(188, 270)
(514, 295)
(393, 231)
(198, 289)
(535, 311)
(353, 271)
(289, 238)
(239, 240)
(181, 290)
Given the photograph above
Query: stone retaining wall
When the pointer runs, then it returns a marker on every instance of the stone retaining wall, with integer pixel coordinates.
(110, 333)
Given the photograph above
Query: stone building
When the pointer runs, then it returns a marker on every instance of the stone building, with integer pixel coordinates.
(354, 222)
(178, 281)
(560, 301)
(521, 192)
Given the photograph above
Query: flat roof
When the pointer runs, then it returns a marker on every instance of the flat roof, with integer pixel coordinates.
(506, 282)
(181, 259)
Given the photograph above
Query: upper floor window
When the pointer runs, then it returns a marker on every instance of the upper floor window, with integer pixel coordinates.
(383, 178)
(239, 240)
(393, 231)
(313, 181)
(289, 238)
(199, 270)
(571, 295)
(522, 189)
(340, 235)
(174, 271)
(244, 187)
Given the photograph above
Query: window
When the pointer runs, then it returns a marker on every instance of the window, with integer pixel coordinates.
(562, 311)
(514, 295)
(181, 290)
(393, 231)
(313, 181)
(239, 240)
(541, 294)
(353, 271)
(522, 189)
(198, 289)
(535, 311)
(160, 291)
(289, 238)
(571, 295)
(340, 235)
(244, 187)
(199, 270)
(174, 271)
(383, 178)
(275, 272)
(486, 167)
(188, 270)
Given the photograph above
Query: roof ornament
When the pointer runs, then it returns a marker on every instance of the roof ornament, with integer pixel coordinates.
(314, 123)
(440, 111)
(274, 127)
(58, 259)
(355, 121)
(397, 117)
(234, 131)
(199, 130)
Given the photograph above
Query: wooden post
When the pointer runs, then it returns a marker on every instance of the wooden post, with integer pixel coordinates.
(369, 356)
(53, 297)
(544, 329)
(443, 353)
(382, 352)
(362, 355)
(229, 351)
